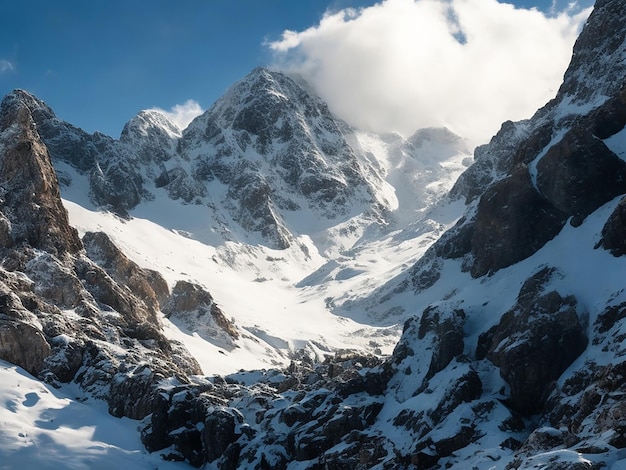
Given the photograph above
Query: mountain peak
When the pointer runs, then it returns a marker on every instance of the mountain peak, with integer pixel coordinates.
(148, 122)
(30, 200)
(17, 99)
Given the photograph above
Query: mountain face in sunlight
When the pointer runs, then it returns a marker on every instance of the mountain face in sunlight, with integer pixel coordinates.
(270, 288)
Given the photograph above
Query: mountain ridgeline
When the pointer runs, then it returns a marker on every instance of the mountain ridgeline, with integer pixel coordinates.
(511, 354)
(265, 150)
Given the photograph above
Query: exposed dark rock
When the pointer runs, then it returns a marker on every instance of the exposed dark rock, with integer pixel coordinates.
(440, 338)
(148, 285)
(448, 445)
(614, 231)
(534, 343)
(545, 439)
(448, 334)
(579, 174)
(116, 182)
(110, 295)
(318, 413)
(256, 211)
(599, 43)
(153, 133)
(574, 171)
(610, 317)
(29, 189)
(116, 188)
(465, 390)
(490, 160)
(302, 159)
(513, 221)
(54, 281)
(426, 272)
(220, 431)
(23, 344)
(91, 316)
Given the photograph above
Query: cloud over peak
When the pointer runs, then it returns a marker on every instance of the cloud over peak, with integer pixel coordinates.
(405, 64)
(182, 114)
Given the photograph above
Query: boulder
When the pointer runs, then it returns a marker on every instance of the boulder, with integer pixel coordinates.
(22, 344)
(194, 305)
(579, 174)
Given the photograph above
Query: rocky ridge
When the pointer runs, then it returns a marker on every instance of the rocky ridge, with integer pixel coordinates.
(74, 310)
(264, 153)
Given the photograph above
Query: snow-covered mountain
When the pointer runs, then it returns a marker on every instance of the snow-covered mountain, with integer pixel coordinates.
(266, 186)
(270, 237)
(202, 217)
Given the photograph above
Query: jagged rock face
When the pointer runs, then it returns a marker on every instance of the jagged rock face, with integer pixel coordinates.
(295, 414)
(574, 177)
(146, 284)
(62, 316)
(267, 149)
(115, 179)
(20, 342)
(579, 174)
(153, 133)
(512, 222)
(441, 334)
(613, 238)
(535, 175)
(278, 149)
(594, 46)
(31, 203)
(591, 401)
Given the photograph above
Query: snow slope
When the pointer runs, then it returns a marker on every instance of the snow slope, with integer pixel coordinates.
(47, 428)
(293, 297)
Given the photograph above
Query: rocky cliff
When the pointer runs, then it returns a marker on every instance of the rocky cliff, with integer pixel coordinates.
(277, 150)
(73, 310)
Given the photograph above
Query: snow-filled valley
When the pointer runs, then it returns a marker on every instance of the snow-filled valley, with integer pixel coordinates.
(286, 300)
(270, 288)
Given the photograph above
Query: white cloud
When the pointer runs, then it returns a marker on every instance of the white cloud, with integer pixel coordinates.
(183, 114)
(6, 66)
(405, 64)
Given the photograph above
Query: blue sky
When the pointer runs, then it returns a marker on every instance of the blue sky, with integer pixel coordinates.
(98, 63)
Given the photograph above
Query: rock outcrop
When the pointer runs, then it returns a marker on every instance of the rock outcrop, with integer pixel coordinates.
(70, 314)
(194, 307)
(31, 202)
(268, 419)
(535, 342)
